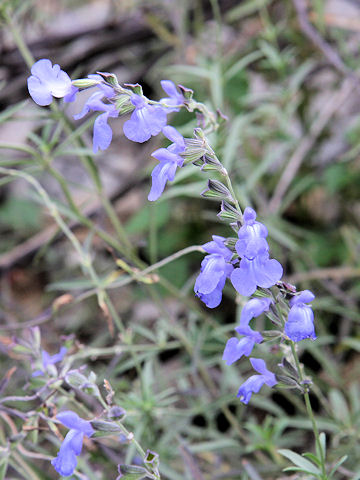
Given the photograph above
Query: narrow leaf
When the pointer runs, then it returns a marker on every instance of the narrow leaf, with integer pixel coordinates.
(300, 461)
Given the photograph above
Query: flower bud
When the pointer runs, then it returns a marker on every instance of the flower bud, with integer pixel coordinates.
(151, 458)
(287, 382)
(131, 472)
(75, 379)
(116, 412)
(105, 427)
(85, 82)
(187, 92)
(109, 78)
(123, 104)
(228, 212)
(217, 190)
(135, 88)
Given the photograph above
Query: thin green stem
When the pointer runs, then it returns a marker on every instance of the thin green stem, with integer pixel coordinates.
(231, 189)
(129, 435)
(20, 148)
(84, 258)
(65, 189)
(95, 352)
(120, 231)
(137, 276)
(310, 411)
(91, 168)
(18, 39)
(152, 233)
(29, 60)
(217, 17)
(124, 246)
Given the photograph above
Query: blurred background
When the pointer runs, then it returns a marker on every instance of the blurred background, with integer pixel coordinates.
(285, 74)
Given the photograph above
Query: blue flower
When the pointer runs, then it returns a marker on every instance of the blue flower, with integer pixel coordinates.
(52, 359)
(259, 272)
(252, 309)
(175, 99)
(217, 246)
(256, 269)
(214, 271)
(251, 236)
(254, 383)
(169, 159)
(48, 81)
(300, 324)
(102, 135)
(236, 348)
(48, 360)
(66, 461)
(146, 120)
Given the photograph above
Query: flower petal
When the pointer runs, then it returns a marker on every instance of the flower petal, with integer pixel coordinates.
(38, 92)
(242, 280)
(253, 308)
(102, 135)
(250, 386)
(235, 349)
(72, 420)
(66, 461)
(160, 175)
(212, 270)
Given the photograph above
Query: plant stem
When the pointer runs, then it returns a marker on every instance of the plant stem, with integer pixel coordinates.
(310, 411)
(29, 60)
(18, 39)
(231, 189)
(126, 432)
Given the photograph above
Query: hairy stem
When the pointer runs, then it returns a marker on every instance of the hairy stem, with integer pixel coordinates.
(310, 411)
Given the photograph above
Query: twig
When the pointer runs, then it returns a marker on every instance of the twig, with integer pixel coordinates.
(305, 145)
(324, 273)
(190, 461)
(315, 37)
(34, 243)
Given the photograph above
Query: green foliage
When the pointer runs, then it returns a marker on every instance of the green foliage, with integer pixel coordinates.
(145, 333)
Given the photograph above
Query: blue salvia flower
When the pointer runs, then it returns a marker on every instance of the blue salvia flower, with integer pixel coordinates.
(236, 348)
(146, 120)
(48, 81)
(169, 159)
(102, 134)
(254, 383)
(48, 360)
(175, 98)
(215, 269)
(251, 236)
(300, 324)
(256, 269)
(66, 461)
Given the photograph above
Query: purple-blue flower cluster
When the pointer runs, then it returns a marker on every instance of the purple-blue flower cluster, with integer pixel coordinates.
(251, 267)
(147, 119)
(255, 268)
(65, 462)
(247, 264)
